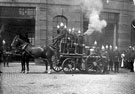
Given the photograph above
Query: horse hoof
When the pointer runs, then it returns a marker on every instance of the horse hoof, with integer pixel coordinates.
(22, 71)
(45, 72)
(27, 72)
(49, 72)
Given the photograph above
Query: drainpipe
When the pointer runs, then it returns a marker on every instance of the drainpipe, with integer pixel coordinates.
(115, 37)
(46, 22)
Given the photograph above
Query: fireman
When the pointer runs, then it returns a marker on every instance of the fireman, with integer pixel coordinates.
(110, 52)
(105, 57)
(116, 59)
(1, 52)
(131, 58)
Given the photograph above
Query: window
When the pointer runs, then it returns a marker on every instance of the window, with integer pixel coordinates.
(26, 12)
(56, 21)
(85, 24)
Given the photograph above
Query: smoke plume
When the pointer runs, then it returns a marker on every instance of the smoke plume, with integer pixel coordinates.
(92, 9)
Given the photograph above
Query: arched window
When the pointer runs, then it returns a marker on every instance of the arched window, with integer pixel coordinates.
(56, 21)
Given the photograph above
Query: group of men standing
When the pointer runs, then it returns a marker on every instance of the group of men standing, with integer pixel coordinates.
(128, 58)
(111, 57)
(114, 59)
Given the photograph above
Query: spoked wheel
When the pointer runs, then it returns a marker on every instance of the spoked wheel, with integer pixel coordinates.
(100, 67)
(56, 64)
(68, 65)
(90, 67)
(90, 64)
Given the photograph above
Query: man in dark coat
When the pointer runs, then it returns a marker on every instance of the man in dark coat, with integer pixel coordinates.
(110, 59)
(131, 57)
(1, 52)
(116, 59)
(105, 58)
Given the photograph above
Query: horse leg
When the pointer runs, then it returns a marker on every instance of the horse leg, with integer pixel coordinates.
(8, 60)
(46, 65)
(27, 63)
(50, 63)
(4, 61)
(23, 64)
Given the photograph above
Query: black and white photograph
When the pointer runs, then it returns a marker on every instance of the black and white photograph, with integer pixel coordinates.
(67, 46)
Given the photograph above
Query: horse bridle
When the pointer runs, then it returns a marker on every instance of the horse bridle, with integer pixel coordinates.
(23, 46)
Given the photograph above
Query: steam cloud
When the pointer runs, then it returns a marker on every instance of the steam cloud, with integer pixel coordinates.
(92, 9)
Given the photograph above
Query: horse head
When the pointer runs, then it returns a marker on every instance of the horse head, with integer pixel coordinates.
(17, 42)
(14, 42)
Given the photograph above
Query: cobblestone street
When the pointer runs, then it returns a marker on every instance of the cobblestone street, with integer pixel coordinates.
(37, 82)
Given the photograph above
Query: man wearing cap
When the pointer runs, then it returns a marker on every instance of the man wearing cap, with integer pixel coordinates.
(131, 58)
(110, 58)
(1, 51)
(105, 56)
(116, 59)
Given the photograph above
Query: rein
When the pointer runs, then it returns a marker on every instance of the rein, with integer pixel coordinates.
(24, 48)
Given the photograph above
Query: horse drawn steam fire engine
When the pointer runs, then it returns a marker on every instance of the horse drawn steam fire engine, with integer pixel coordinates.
(72, 53)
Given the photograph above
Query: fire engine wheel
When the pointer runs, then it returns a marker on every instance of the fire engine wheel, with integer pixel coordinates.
(56, 64)
(90, 65)
(68, 65)
(100, 67)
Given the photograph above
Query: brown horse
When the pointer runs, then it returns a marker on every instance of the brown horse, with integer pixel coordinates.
(37, 52)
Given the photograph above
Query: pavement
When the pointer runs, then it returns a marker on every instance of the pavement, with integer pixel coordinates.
(38, 82)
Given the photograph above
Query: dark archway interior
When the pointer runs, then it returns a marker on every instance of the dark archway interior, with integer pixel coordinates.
(11, 27)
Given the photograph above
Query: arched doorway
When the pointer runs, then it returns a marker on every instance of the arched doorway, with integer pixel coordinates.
(56, 21)
(17, 20)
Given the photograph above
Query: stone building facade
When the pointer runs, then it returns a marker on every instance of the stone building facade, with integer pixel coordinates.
(41, 17)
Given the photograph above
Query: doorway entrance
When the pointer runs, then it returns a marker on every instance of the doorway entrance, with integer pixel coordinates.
(11, 27)
(17, 20)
